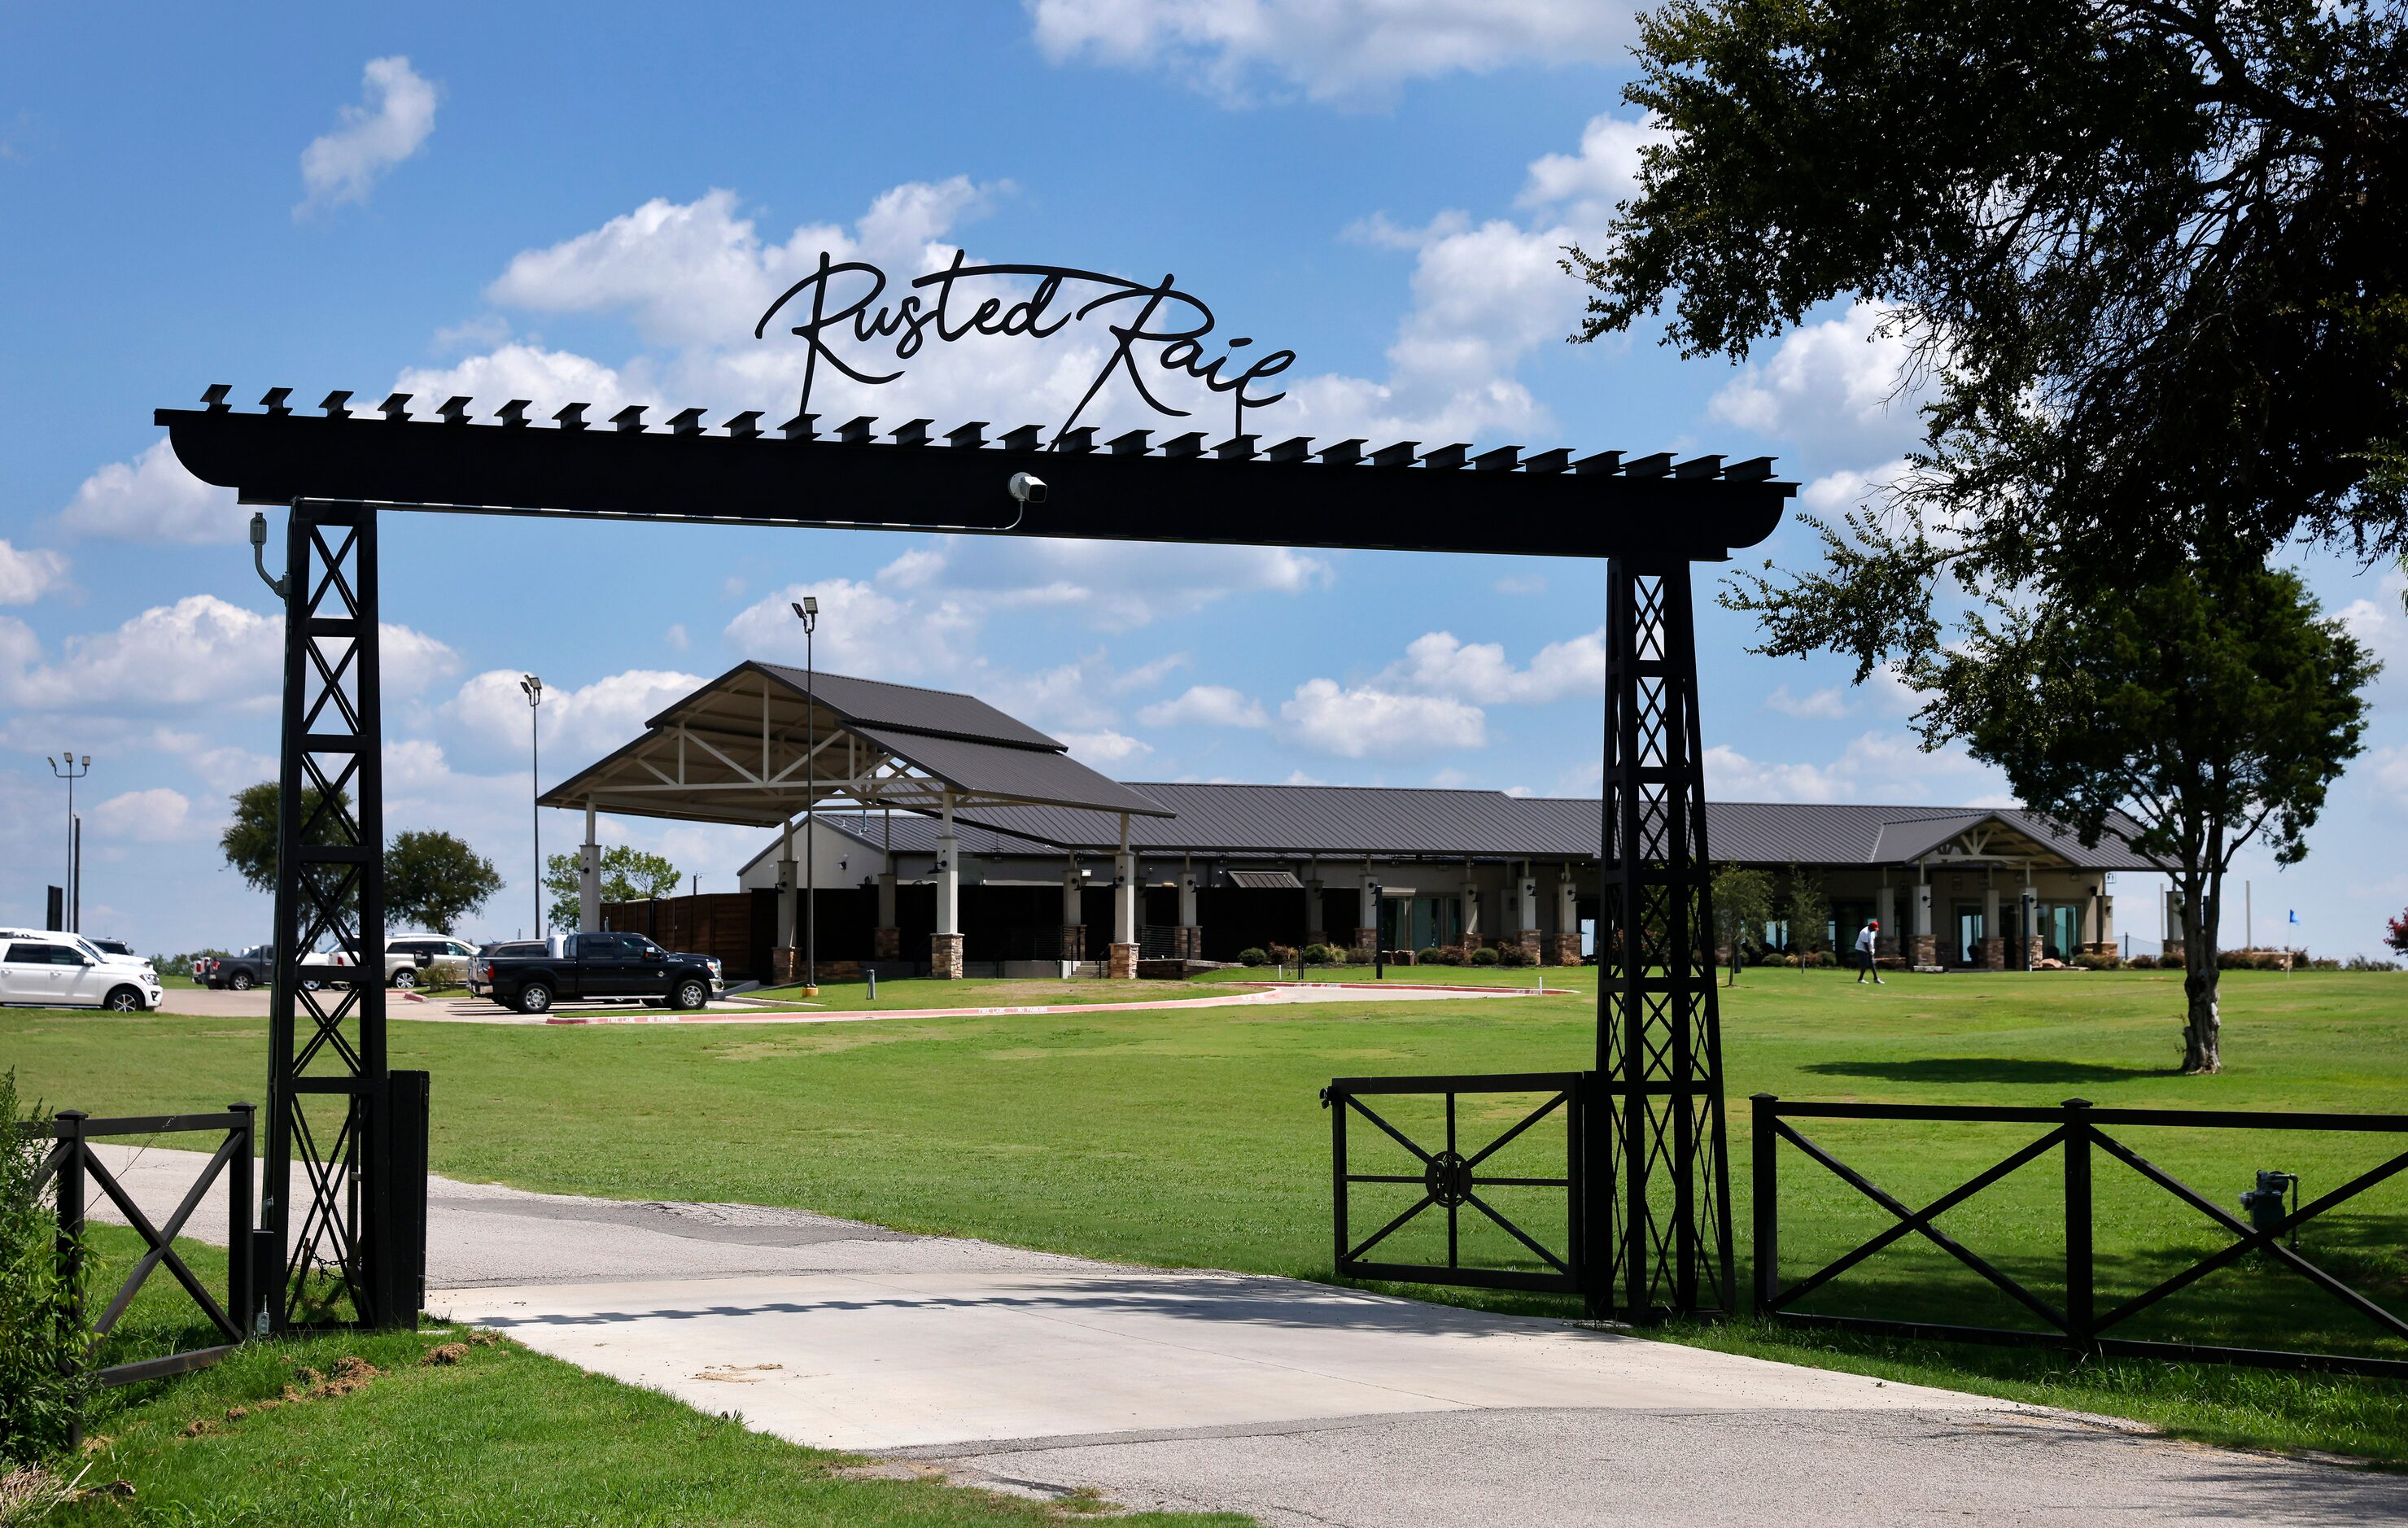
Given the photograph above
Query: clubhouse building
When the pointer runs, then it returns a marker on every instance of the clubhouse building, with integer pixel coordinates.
(949, 839)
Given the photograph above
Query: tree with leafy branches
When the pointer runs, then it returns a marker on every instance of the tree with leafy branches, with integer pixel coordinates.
(1743, 905)
(628, 875)
(2145, 255)
(2186, 717)
(434, 880)
(1808, 910)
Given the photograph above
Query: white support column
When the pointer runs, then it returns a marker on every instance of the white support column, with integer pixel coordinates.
(589, 879)
(2106, 917)
(1366, 907)
(1885, 914)
(1470, 909)
(1991, 927)
(1125, 890)
(1567, 907)
(949, 873)
(1526, 902)
(1073, 912)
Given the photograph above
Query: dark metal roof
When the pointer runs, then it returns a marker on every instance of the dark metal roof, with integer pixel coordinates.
(1265, 880)
(1330, 821)
(976, 768)
(908, 708)
(1280, 819)
(1778, 832)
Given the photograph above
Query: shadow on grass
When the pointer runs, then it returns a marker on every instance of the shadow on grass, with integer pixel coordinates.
(2023, 1069)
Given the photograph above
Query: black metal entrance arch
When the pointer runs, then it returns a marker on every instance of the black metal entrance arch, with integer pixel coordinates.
(1656, 1205)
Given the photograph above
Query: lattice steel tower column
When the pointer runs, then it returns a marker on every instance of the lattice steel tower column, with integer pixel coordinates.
(328, 1082)
(1658, 1221)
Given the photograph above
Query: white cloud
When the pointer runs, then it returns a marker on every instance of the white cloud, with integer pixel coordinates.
(1590, 183)
(862, 629)
(2391, 768)
(1836, 493)
(1349, 52)
(1118, 585)
(1520, 585)
(155, 816)
(1877, 768)
(27, 575)
(153, 498)
(1362, 722)
(1438, 663)
(1827, 704)
(200, 650)
(1834, 383)
(1104, 750)
(1207, 706)
(396, 114)
(587, 720)
(675, 638)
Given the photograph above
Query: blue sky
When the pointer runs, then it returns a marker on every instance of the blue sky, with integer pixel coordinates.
(507, 201)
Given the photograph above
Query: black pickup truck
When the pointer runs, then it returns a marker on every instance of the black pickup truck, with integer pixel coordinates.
(590, 965)
(252, 968)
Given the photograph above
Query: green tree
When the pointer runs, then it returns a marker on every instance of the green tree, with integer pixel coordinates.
(433, 879)
(2148, 258)
(2185, 718)
(628, 875)
(1743, 905)
(1808, 913)
(249, 839)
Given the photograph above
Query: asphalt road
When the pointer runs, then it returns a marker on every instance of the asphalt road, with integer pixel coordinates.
(1300, 1404)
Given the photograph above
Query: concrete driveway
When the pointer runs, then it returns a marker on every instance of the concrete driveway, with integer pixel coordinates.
(1298, 1403)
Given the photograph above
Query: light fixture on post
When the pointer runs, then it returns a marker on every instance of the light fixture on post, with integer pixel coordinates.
(66, 768)
(533, 688)
(807, 612)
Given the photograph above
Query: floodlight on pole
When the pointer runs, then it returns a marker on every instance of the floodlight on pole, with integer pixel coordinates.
(807, 610)
(533, 688)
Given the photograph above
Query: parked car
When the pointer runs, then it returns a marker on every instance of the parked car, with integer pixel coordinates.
(401, 953)
(601, 966)
(478, 986)
(240, 971)
(49, 968)
(115, 947)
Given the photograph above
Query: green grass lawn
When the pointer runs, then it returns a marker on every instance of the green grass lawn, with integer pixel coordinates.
(500, 1435)
(1195, 1138)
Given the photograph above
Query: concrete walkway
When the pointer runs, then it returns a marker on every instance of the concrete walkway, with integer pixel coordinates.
(1296, 1402)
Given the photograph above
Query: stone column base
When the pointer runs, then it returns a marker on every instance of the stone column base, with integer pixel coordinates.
(945, 956)
(2098, 947)
(1365, 941)
(1122, 966)
(886, 943)
(1532, 943)
(1191, 942)
(1990, 954)
(1926, 952)
(2035, 951)
(1073, 946)
(1885, 947)
(1563, 950)
(785, 965)
(2173, 953)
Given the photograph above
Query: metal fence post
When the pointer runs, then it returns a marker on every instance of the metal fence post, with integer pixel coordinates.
(239, 1238)
(2080, 1263)
(1764, 1173)
(1338, 1174)
(69, 1123)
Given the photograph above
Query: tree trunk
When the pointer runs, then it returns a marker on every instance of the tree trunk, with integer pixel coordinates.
(2201, 1052)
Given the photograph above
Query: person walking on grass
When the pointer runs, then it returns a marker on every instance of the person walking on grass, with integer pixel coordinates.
(1866, 942)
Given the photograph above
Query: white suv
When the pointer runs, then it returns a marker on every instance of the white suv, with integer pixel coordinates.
(51, 968)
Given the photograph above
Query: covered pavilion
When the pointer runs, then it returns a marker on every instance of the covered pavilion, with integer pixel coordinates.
(764, 745)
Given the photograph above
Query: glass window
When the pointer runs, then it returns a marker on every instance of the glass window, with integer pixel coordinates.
(29, 954)
(62, 955)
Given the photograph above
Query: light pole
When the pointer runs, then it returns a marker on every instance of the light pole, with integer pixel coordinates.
(66, 768)
(807, 612)
(534, 689)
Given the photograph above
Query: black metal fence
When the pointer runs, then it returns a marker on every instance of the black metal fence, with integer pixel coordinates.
(2081, 1134)
(1450, 1178)
(79, 1169)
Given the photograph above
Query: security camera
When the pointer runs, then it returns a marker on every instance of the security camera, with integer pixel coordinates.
(1027, 488)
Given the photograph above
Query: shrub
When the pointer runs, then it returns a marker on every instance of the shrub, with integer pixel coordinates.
(2324, 965)
(2095, 962)
(1514, 955)
(2141, 962)
(41, 1354)
(1428, 955)
(1253, 955)
(2360, 962)
(1317, 955)
(2269, 959)
(1483, 956)
(2231, 960)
